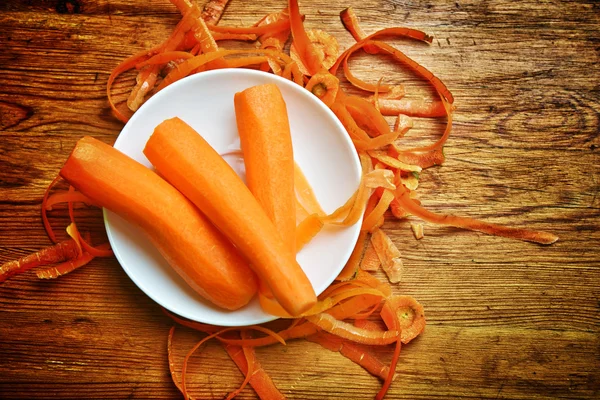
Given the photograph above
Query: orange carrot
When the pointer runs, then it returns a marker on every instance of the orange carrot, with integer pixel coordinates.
(205, 259)
(266, 142)
(62, 251)
(181, 155)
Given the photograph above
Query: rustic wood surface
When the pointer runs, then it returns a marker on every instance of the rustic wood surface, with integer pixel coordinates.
(505, 319)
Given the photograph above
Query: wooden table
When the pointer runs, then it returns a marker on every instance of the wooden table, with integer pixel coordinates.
(506, 319)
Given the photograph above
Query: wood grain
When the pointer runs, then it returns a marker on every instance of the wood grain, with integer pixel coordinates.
(505, 319)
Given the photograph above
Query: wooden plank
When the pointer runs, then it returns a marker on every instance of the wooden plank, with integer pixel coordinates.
(505, 319)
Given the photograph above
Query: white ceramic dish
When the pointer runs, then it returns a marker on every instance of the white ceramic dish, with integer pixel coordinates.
(205, 101)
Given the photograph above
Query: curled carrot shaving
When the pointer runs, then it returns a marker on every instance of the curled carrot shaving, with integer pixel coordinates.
(199, 28)
(277, 26)
(64, 250)
(412, 107)
(383, 178)
(347, 331)
(99, 251)
(307, 230)
(246, 61)
(357, 281)
(325, 86)
(364, 314)
(370, 221)
(300, 330)
(370, 260)
(362, 141)
(67, 266)
(350, 21)
(391, 371)
(213, 10)
(366, 115)
(189, 355)
(358, 135)
(388, 254)
(125, 66)
(171, 361)
(250, 366)
(349, 270)
(304, 47)
(394, 32)
(163, 58)
(357, 202)
(358, 83)
(147, 78)
(271, 306)
(404, 313)
(261, 382)
(305, 194)
(472, 224)
(418, 69)
(66, 197)
(360, 354)
(390, 161)
(324, 45)
(440, 142)
(424, 159)
(244, 37)
(45, 221)
(188, 66)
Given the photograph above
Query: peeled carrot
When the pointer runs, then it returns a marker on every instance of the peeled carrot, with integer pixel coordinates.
(266, 142)
(207, 261)
(182, 156)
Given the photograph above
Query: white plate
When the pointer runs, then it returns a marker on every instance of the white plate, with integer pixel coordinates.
(321, 148)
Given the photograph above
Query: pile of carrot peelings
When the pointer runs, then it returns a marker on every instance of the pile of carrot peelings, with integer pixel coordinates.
(63, 256)
(358, 311)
